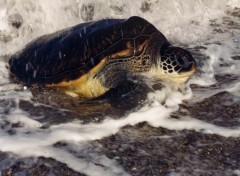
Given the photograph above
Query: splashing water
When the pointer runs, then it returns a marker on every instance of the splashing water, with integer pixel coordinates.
(209, 106)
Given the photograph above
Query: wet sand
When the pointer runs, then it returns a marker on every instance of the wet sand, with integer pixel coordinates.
(145, 150)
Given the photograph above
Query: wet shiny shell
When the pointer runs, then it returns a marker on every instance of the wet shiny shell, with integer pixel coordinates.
(68, 54)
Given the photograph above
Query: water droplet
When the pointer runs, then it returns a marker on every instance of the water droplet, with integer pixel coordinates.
(34, 73)
(92, 61)
(26, 67)
(60, 55)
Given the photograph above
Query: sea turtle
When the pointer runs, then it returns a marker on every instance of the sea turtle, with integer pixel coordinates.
(91, 58)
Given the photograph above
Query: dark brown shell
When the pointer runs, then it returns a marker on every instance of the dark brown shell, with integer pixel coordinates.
(70, 53)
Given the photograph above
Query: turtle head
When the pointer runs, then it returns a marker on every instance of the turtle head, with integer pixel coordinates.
(176, 64)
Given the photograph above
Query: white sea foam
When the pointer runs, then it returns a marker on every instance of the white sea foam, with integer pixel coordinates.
(178, 20)
(39, 142)
(181, 21)
(3, 14)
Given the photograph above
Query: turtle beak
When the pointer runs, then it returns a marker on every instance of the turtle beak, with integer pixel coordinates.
(194, 67)
(191, 71)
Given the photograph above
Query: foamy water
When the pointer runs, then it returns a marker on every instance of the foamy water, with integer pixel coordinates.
(188, 23)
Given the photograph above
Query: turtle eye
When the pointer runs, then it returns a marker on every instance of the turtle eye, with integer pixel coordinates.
(182, 61)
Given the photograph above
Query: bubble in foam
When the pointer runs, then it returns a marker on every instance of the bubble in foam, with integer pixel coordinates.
(20, 117)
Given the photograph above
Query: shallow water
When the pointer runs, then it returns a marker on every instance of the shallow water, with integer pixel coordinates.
(145, 132)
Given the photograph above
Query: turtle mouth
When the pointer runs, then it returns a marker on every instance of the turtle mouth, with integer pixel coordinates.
(178, 71)
(175, 78)
(188, 73)
(181, 77)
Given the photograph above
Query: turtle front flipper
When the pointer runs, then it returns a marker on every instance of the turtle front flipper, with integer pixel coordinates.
(127, 95)
(88, 85)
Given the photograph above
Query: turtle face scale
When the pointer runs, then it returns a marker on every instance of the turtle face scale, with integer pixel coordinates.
(175, 64)
(175, 60)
